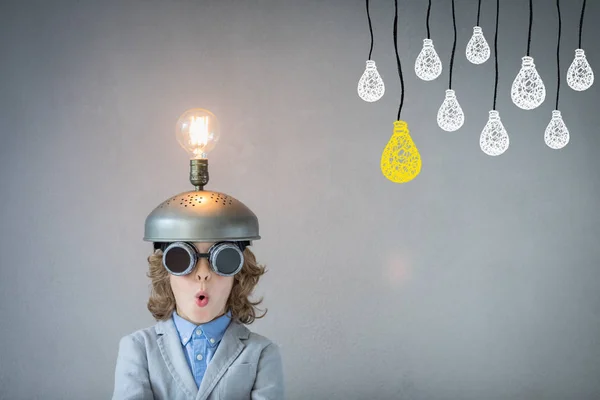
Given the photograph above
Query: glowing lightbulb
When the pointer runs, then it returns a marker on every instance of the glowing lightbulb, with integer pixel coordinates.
(400, 160)
(494, 138)
(450, 116)
(557, 134)
(580, 75)
(197, 132)
(428, 65)
(528, 90)
(370, 84)
(478, 50)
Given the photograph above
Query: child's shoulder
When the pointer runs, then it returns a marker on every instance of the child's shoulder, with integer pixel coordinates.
(143, 337)
(260, 340)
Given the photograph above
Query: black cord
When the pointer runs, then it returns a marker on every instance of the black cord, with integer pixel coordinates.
(496, 53)
(398, 57)
(370, 30)
(558, 55)
(453, 47)
(530, 23)
(428, 12)
(581, 23)
(478, 12)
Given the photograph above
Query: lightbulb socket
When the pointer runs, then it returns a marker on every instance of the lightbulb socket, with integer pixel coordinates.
(199, 173)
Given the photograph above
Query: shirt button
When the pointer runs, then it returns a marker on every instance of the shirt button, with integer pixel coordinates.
(199, 357)
(198, 332)
(212, 340)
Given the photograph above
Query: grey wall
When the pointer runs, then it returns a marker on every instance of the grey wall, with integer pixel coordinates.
(477, 280)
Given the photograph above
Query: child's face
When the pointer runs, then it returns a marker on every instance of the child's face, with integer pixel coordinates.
(201, 295)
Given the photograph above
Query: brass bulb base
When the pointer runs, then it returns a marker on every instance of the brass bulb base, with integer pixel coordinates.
(199, 173)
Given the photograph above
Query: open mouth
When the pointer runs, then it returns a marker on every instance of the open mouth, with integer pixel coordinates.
(202, 299)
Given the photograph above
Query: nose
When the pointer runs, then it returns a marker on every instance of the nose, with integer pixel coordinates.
(203, 271)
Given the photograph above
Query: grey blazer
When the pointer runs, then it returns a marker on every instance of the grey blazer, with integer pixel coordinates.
(151, 365)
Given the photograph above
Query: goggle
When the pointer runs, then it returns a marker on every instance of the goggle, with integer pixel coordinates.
(224, 258)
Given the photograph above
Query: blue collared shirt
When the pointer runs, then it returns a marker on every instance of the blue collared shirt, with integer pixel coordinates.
(200, 342)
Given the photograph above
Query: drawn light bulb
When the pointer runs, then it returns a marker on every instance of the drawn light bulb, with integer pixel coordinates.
(370, 84)
(478, 50)
(556, 135)
(400, 160)
(450, 116)
(494, 138)
(580, 75)
(428, 65)
(528, 90)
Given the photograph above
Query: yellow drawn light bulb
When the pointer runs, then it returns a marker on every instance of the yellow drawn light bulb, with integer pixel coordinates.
(400, 161)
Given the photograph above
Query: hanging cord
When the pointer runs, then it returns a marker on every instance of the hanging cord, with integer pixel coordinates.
(530, 23)
(496, 53)
(558, 55)
(428, 12)
(398, 57)
(478, 12)
(581, 23)
(453, 46)
(370, 30)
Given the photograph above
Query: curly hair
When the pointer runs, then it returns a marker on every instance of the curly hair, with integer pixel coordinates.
(162, 300)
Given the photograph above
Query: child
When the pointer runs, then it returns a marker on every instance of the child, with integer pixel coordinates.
(200, 348)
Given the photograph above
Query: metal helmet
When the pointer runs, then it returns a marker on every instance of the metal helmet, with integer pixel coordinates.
(201, 216)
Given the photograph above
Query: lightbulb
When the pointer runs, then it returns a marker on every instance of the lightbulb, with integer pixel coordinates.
(494, 138)
(528, 90)
(400, 160)
(478, 50)
(428, 65)
(370, 84)
(197, 132)
(450, 116)
(557, 134)
(580, 75)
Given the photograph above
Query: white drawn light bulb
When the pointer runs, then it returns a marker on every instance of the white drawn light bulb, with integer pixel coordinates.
(580, 75)
(450, 116)
(494, 138)
(556, 135)
(428, 65)
(478, 50)
(528, 90)
(370, 84)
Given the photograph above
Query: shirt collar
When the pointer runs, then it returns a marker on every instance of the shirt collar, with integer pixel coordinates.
(214, 329)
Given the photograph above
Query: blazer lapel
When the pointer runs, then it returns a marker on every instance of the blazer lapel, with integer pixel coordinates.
(172, 353)
(229, 349)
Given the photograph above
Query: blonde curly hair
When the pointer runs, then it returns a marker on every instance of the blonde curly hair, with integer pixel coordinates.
(162, 301)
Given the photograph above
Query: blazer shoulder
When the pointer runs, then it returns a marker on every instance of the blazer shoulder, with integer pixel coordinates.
(145, 336)
(261, 341)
